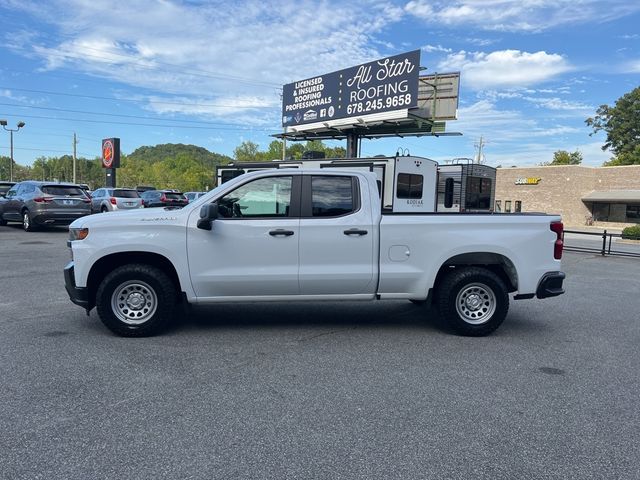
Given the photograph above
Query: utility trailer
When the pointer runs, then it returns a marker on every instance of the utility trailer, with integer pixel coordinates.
(465, 186)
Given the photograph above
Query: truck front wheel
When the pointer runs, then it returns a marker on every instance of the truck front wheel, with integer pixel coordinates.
(473, 300)
(136, 300)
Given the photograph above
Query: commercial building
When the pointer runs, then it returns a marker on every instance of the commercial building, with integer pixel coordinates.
(601, 196)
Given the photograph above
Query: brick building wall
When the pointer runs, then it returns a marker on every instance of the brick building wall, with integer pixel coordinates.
(561, 189)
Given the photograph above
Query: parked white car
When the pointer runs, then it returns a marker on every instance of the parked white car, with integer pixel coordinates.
(298, 234)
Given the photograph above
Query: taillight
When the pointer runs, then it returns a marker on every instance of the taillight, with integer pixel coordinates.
(43, 199)
(558, 228)
(113, 201)
(86, 200)
(163, 198)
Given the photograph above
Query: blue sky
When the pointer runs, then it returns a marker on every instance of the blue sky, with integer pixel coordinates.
(209, 73)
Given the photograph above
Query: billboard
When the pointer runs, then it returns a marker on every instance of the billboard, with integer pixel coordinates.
(438, 96)
(376, 87)
(111, 153)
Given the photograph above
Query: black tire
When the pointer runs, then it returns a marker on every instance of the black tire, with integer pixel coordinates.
(3, 222)
(136, 300)
(104, 209)
(27, 222)
(473, 300)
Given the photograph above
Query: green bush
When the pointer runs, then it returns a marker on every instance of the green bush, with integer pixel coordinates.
(632, 233)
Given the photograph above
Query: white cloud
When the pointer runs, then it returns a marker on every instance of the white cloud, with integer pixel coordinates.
(483, 116)
(523, 15)
(555, 103)
(435, 48)
(9, 94)
(481, 42)
(197, 49)
(633, 67)
(531, 154)
(505, 68)
(515, 137)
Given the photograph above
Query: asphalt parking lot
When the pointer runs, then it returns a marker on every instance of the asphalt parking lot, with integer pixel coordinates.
(328, 391)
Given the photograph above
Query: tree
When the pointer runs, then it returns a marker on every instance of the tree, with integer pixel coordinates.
(626, 158)
(622, 126)
(247, 151)
(274, 152)
(562, 157)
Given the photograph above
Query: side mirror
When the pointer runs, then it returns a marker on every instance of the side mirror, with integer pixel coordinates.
(208, 213)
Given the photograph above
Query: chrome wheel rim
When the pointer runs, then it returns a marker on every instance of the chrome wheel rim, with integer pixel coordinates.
(26, 223)
(476, 303)
(134, 302)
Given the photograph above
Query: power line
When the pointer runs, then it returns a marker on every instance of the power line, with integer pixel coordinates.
(111, 114)
(125, 99)
(79, 120)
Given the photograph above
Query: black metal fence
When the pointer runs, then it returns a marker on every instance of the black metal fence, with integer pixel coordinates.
(603, 246)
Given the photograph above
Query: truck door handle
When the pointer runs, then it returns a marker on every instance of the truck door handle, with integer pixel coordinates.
(280, 232)
(355, 231)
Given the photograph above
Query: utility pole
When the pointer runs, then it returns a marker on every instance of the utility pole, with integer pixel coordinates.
(75, 142)
(480, 146)
(284, 148)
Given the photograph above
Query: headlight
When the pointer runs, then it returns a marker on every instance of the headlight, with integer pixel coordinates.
(78, 233)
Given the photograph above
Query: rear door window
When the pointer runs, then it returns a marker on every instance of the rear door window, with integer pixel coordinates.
(332, 196)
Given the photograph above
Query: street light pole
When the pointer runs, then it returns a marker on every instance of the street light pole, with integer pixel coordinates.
(11, 130)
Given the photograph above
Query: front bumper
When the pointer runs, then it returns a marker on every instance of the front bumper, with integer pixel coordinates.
(550, 285)
(78, 295)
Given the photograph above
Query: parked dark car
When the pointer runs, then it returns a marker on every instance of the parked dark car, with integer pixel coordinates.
(191, 196)
(37, 204)
(163, 198)
(4, 187)
(112, 199)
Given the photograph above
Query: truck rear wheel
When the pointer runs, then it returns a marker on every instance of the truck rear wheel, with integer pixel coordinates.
(136, 300)
(473, 300)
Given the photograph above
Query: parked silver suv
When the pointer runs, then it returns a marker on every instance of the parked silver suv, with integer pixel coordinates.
(111, 199)
(43, 203)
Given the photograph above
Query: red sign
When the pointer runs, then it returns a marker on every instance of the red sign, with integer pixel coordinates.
(107, 154)
(111, 152)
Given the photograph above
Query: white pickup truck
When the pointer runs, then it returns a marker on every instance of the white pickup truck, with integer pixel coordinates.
(316, 234)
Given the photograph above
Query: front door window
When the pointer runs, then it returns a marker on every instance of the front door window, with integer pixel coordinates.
(262, 198)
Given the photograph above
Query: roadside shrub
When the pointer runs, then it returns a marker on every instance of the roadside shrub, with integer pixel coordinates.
(631, 233)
